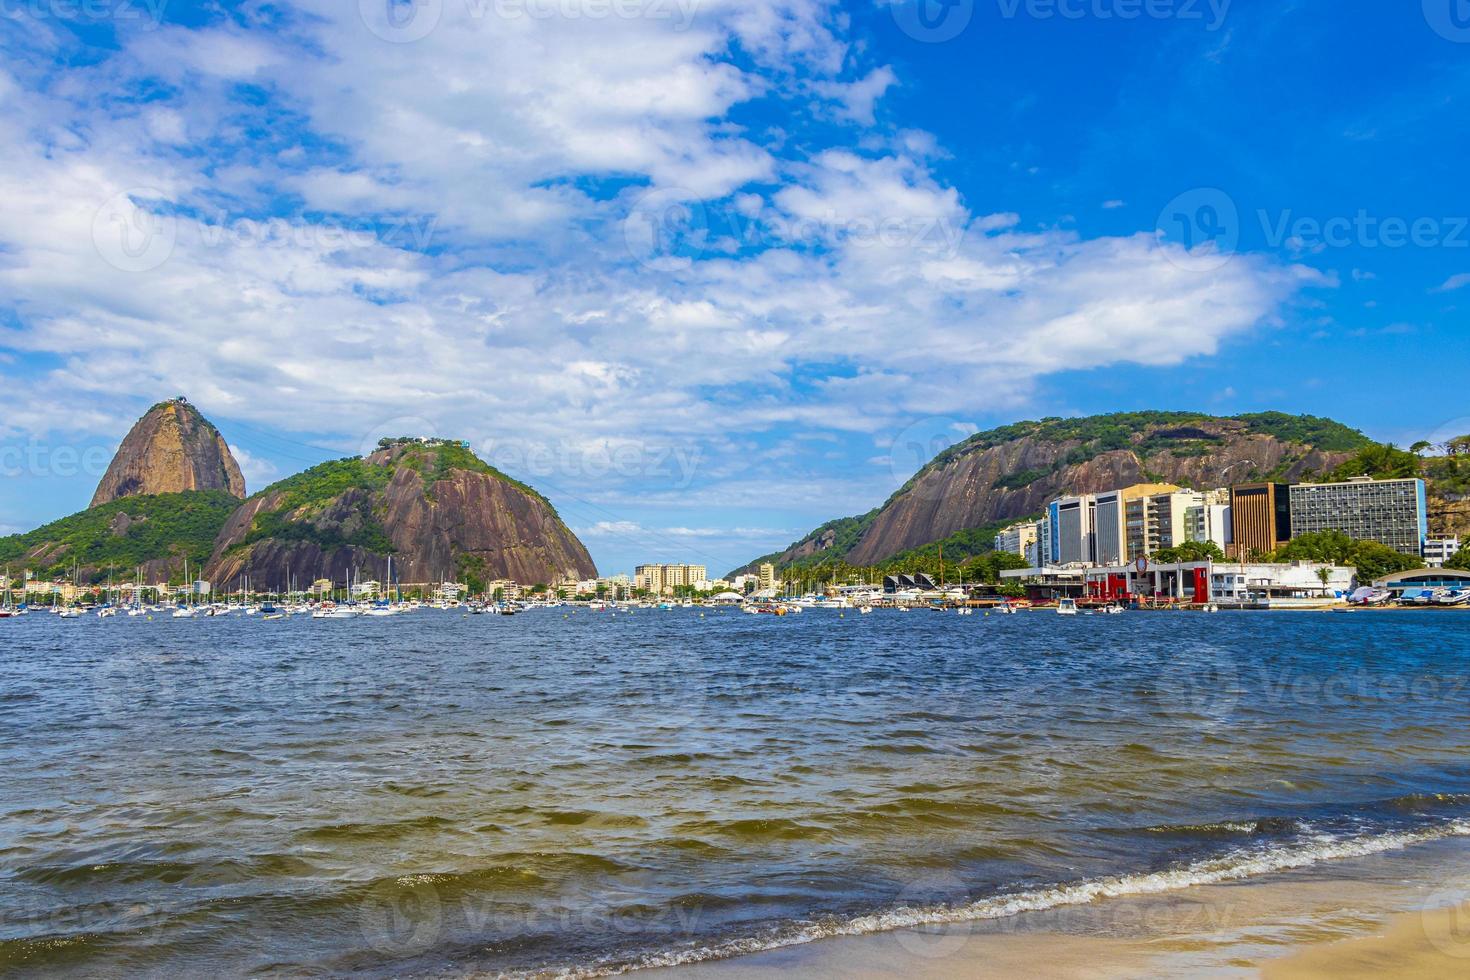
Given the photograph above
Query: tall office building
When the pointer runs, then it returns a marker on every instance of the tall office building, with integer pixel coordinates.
(1260, 517)
(1391, 512)
(1073, 537)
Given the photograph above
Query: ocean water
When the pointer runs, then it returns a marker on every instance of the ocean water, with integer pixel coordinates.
(435, 794)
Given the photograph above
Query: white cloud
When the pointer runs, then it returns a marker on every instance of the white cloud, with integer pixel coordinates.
(1455, 282)
(257, 472)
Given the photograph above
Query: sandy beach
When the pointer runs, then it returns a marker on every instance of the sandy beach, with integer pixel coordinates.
(1400, 914)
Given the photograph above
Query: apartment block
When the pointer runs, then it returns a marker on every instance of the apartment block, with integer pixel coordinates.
(1391, 512)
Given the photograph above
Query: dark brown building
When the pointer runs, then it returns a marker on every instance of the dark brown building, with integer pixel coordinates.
(1261, 516)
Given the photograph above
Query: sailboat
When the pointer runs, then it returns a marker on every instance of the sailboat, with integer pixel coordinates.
(7, 608)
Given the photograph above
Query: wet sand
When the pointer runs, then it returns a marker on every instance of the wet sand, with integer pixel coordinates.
(1401, 914)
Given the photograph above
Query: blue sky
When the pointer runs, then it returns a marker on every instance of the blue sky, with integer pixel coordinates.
(710, 272)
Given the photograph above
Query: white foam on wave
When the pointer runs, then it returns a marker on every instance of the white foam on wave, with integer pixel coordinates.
(1234, 866)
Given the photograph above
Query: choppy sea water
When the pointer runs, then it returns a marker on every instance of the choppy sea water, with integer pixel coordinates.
(585, 793)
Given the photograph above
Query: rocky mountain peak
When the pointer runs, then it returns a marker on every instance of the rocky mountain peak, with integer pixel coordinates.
(171, 449)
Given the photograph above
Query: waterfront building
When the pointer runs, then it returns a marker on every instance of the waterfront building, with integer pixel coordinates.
(1018, 539)
(1391, 512)
(1260, 517)
(768, 578)
(1424, 579)
(1437, 551)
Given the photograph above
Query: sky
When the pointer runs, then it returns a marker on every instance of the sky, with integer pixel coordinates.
(708, 273)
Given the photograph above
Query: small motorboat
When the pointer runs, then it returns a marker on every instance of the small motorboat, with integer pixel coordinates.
(1067, 607)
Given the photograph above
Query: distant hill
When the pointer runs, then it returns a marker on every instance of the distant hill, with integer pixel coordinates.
(437, 509)
(1012, 472)
(155, 532)
(171, 449)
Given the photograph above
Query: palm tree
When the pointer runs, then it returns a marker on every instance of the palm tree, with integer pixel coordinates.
(1324, 575)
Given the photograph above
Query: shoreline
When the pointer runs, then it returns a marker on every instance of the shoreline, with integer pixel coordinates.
(1394, 914)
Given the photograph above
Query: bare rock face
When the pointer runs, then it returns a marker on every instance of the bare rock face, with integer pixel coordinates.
(441, 514)
(171, 449)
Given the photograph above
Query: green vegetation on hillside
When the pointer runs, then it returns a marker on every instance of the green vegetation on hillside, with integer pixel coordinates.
(435, 461)
(308, 493)
(161, 526)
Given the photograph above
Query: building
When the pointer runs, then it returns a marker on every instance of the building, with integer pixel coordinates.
(664, 579)
(1391, 512)
(1170, 518)
(449, 591)
(1074, 539)
(1437, 551)
(1210, 519)
(1259, 584)
(768, 578)
(1018, 539)
(1260, 518)
(1422, 579)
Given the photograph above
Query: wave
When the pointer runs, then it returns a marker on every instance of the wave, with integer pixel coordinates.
(1236, 866)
